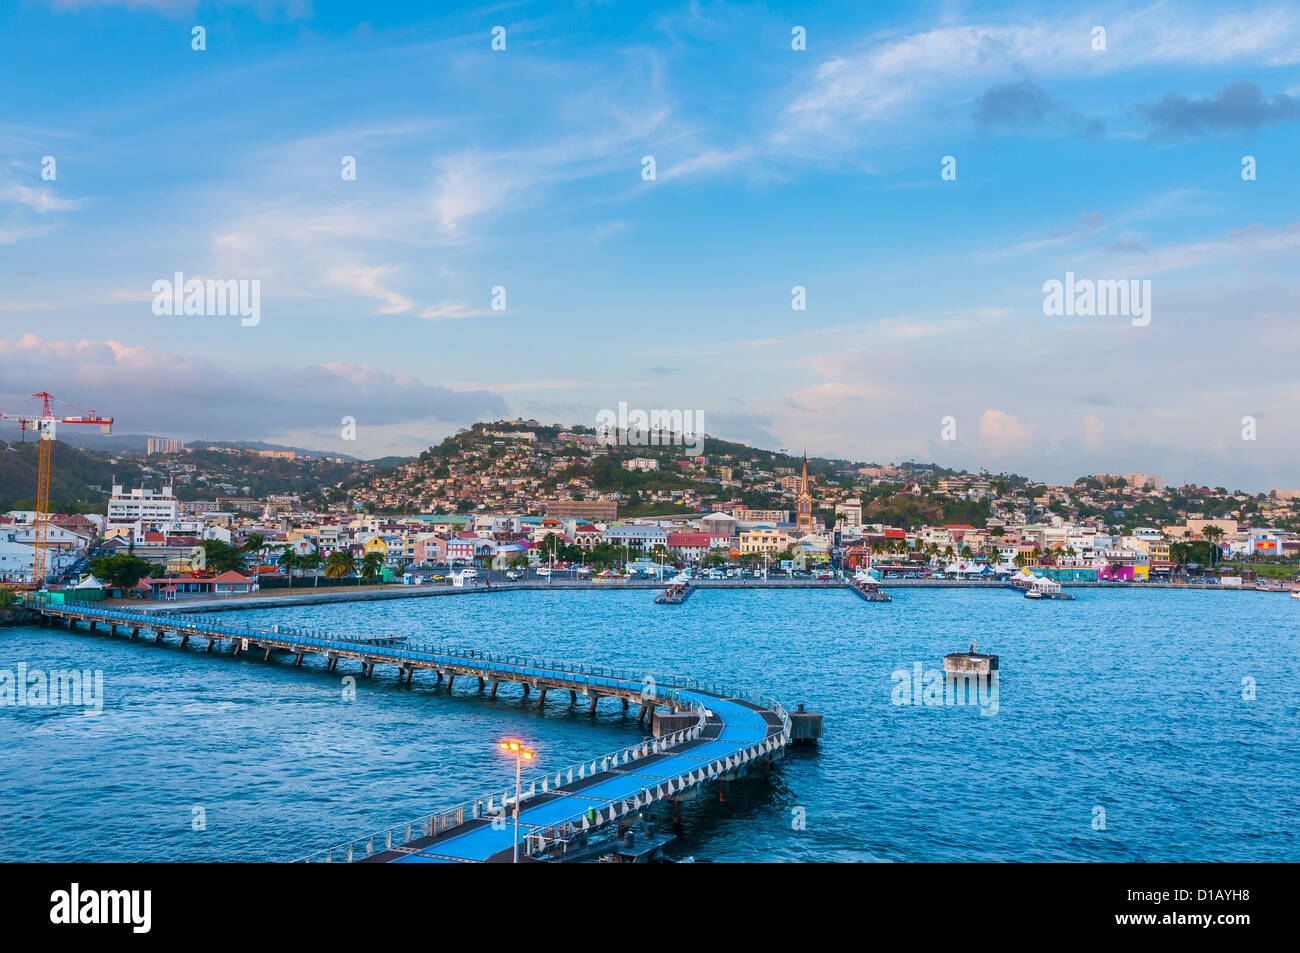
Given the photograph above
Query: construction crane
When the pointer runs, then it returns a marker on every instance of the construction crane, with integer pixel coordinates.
(44, 424)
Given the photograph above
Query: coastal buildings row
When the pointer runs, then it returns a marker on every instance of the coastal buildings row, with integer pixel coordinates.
(510, 492)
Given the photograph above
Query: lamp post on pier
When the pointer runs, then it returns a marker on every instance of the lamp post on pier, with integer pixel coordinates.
(521, 754)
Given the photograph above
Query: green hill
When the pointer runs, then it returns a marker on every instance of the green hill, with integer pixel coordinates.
(80, 480)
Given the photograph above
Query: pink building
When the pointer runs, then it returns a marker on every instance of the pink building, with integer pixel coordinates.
(1112, 573)
(430, 549)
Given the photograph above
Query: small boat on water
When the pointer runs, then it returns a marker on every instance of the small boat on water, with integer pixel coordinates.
(870, 591)
(1295, 593)
(1033, 594)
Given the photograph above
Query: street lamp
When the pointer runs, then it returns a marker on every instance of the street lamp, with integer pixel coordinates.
(521, 754)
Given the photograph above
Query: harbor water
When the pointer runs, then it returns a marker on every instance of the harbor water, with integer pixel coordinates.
(1128, 725)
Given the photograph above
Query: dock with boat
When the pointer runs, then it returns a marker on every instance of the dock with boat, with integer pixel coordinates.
(675, 594)
(1037, 587)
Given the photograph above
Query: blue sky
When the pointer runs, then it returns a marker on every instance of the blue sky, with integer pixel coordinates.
(522, 169)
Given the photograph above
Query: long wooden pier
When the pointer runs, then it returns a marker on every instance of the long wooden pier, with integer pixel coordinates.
(723, 733)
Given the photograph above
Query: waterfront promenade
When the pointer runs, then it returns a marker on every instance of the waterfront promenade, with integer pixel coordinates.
(307, 595)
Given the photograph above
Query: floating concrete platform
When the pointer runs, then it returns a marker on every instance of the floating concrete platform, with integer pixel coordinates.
(969, 663)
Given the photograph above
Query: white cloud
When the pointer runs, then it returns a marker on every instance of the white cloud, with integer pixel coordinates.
(43, 200)
(364, 281)
(1002, 433)
(453, 310)
(190, 396)
(890, 73)
(1094, 431)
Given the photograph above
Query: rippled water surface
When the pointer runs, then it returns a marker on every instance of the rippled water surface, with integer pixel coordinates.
(1129, 701)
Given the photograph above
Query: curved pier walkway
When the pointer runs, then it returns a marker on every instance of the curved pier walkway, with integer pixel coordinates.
(715, 734)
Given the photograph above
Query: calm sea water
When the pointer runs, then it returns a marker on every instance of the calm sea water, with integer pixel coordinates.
(1130, 701)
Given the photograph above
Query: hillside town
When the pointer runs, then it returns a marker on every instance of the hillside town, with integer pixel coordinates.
(516, 496)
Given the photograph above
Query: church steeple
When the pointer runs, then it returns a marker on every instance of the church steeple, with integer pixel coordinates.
(803, 511)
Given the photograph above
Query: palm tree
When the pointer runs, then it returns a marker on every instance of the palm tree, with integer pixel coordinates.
(311, 562)
(372, 564)
(340, 563)
(254, 544)
(287, 560)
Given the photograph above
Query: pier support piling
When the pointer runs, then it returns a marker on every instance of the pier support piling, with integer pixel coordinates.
(591, 709)
(185, 640)
(573, 697)
(298, 661)
(541, 697)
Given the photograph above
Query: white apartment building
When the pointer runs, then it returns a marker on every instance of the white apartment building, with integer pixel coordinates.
(852, 513)
(147, 506)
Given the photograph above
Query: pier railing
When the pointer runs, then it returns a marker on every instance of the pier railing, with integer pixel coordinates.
(489, 806)
(539, 841)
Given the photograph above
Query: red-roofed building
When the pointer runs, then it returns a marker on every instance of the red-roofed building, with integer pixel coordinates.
(231, 583)
(691, 547)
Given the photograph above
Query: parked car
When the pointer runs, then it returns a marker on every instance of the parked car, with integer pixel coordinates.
(513, 574)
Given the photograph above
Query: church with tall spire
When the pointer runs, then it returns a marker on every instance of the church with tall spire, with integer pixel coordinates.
(803, 511)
